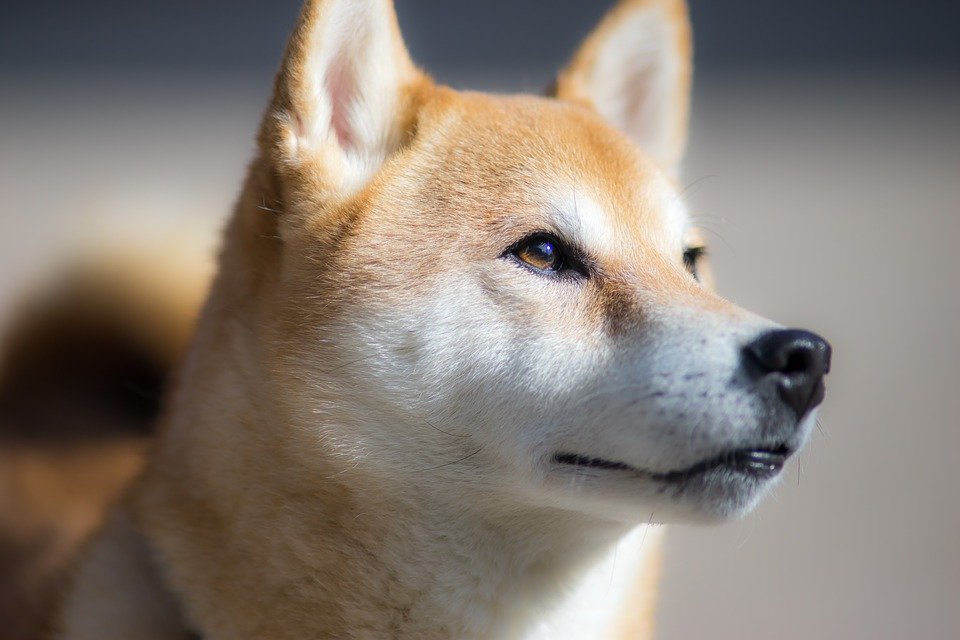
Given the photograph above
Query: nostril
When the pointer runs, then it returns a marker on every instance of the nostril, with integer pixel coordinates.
(799, 361)
(796, 360)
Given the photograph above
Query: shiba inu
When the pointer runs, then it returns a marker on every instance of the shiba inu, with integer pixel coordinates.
(460, 360)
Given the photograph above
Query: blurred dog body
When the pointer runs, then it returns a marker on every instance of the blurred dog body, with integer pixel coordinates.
(461, 356)
(82, 373)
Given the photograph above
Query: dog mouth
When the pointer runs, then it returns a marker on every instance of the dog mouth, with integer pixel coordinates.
(759, 463)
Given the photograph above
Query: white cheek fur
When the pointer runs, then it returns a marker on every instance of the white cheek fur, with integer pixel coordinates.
(473, 373)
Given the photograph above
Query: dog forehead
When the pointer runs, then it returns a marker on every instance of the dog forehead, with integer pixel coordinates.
(557, 159)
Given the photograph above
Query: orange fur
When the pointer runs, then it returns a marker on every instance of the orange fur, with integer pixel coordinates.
(300, 486)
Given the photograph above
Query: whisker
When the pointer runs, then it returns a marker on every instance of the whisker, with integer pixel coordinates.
(643, 538)
(613, 566)
(447, 464)
(452, 435)
(716, 234)
(690, 186)
(750, 528)
(703, 218)
(347, 364)
(263, 207)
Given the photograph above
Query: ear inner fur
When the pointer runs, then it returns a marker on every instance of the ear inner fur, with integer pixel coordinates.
(341, 99)
(635, 70)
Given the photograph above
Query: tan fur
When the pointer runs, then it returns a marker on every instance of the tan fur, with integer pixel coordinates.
(270, 508)
(638, 620)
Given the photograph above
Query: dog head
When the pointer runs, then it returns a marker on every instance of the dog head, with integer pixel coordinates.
(502, 297)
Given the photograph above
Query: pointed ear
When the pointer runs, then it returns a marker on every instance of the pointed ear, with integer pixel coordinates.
(341, 97)
(634, 69)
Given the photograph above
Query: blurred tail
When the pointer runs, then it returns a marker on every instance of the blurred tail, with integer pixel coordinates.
(83, 368)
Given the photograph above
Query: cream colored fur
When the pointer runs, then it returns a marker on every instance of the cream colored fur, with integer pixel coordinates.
(360, 441)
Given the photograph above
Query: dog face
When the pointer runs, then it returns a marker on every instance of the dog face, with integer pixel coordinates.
(503, 297)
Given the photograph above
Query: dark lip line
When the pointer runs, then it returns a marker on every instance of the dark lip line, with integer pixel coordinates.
(758, 461)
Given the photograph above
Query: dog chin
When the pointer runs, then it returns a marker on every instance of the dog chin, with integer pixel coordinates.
(707, 501)
(716, 497)
(712, 497)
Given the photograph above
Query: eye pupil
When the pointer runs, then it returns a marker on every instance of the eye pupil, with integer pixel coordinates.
(544, 250)
(541, 254)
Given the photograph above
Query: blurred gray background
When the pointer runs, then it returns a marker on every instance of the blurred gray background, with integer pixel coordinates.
(824, 160)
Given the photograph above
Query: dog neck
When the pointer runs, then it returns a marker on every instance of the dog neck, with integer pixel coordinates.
(300, 564)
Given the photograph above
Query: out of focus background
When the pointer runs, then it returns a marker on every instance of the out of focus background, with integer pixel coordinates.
(824, 161)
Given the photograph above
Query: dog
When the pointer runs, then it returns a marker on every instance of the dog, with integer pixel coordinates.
(460, 360)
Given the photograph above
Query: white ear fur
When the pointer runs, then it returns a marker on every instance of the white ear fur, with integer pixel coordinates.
(340, 88)
(634, 69)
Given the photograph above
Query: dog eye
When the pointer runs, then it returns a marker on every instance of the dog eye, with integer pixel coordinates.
(541, 253)
(692, 256)
(544, 253)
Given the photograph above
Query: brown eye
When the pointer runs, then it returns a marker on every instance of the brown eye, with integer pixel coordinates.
(541, 253)
(544, 254)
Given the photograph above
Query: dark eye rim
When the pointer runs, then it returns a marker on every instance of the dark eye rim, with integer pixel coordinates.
(571, 263)
(692, 257)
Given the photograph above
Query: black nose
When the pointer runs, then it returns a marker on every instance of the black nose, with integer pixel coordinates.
(797, 360)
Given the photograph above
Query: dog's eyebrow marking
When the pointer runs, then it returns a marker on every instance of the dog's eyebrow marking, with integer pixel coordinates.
(578, 217)
(674, 210)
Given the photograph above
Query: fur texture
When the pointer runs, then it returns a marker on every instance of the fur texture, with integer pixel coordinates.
(391, 423)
